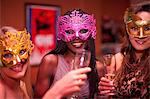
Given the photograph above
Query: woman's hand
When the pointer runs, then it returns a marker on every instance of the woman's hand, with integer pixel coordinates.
(69, 84)
(106, 87)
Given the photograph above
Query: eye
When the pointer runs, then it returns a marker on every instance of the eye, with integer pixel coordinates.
(8, 55)
(69, 31)
(22, 52)
(83, 31)
(147, 28)
(134, 28)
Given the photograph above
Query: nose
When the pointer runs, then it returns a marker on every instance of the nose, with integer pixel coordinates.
(16, 60)
(141, 33)
(77, 34)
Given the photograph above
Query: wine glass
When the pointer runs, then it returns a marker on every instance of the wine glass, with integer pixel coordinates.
(110, 68)
(81, 60)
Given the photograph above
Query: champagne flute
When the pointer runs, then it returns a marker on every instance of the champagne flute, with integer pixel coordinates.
(109, 66)
(81, 60)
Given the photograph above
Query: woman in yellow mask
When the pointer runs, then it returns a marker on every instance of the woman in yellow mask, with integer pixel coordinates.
(15, 50)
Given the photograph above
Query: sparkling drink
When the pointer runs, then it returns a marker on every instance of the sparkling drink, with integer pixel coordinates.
(109, 66)
(110, 76)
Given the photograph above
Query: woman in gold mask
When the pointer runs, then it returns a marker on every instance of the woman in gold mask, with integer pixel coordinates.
(132, 78)
(15, 50)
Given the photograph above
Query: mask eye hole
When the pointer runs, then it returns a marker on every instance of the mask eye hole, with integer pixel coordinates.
(82, 31)
(134, 28)
(8, 55)
(69, 31)
(22, 52)
(147, 28)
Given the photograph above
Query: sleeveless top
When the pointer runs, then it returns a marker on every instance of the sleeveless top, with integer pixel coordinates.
(62, 69)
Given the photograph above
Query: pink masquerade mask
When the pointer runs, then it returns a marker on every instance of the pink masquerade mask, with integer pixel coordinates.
(76, 25)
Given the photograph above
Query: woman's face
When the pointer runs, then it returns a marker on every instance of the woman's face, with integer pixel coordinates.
(140, 42)
(15, 49)
(17, 71)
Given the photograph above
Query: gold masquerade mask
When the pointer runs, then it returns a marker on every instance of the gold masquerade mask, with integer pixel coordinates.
(15, 47)
(135, 25)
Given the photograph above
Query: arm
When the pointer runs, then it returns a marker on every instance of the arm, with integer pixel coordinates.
(45, 73)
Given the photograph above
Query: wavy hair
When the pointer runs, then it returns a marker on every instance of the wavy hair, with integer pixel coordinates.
(129, 54)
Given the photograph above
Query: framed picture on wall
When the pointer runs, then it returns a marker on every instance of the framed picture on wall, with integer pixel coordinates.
(41, 23)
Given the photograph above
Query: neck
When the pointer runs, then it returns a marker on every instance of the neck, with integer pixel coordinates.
(138, 54)
(10, 82)
(69, 57)
(69, 54)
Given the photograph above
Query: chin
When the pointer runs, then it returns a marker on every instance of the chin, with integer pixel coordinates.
(18, 73)
(18, 76)
(141, 48)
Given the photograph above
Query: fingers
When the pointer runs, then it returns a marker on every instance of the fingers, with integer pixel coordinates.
(79, 82)
(103, 79)
(83, 70)
(104, 92)
(71, 90)
(81, 77)
(106, 82)
(80, 74)
(106, 86)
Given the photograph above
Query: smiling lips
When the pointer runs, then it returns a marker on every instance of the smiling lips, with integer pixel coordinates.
(141, 41)
(17, 68)
(77, 44)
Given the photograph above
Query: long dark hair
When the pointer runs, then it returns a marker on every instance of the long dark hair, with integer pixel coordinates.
(129, 54)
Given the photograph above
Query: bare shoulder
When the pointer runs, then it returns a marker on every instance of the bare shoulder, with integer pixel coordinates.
(100, 68)
(49, 62)
(45, 73)
(2, 90)
(51, 58)
(119, 60)
(99, 64)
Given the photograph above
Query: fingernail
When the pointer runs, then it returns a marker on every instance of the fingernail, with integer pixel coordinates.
(89, 69)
